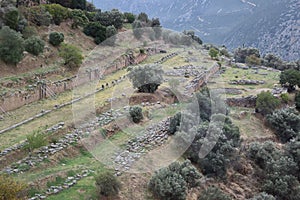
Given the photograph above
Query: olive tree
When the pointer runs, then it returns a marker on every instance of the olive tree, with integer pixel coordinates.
(146, 78)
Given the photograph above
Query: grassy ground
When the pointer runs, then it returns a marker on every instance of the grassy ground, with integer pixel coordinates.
(250, 126)
(231, 74)
(64, 114)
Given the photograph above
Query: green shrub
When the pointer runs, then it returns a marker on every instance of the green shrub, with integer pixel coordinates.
(168, 185)
(173, 181)
(137, 29)
(252, 60)
(11, 189)
(263, 196)
(286, 123)
(224, 140)
(110, 35)
(213, 193)
(110, 18)
(107, 184)
(263, 153)
(72, 56)
(11, 45)
(34, 45)
(174, 123)
(29, 31)
(79, 18)
(56, 38)
(58, 12)
(284, 98)
(297, 100)
(11, 19)
(292, 149)
(213, 53)
(290, 78)
(266, 103)
(136, 114)
(38, 15)
(240, 54)
(129, 17)
(35, 140)
(74, 4)
(95, 30)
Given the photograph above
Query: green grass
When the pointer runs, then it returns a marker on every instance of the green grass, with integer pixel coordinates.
(238, 74)
(250, 126)
(84, 189)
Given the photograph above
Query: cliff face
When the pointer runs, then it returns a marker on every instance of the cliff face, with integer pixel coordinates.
(271, 25)
(272, 29)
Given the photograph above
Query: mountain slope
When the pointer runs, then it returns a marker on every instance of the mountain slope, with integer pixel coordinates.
(271, 25)
(272, 29)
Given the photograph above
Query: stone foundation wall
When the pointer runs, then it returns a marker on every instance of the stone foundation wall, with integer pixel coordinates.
(249, 101)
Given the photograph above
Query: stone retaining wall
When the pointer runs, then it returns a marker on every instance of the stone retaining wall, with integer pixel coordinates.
(44, 90)
(249, 101)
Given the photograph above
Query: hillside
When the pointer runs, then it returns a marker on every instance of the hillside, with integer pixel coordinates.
(268, 25)
(111, 106)
(275, 28)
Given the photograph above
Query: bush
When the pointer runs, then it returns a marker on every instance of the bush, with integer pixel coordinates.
(110, 18)
(283, 187)
(111, 32)
(29, 31)
(174, 123)
(286, 123)
(56, 38)
(58, 12)
(297, 100)
(223, 140)
(213, 53)
(72, 56)
(252, 60)
(38, 15)
(79, 18)
(168, 185)
(290, 78)
(129, 17)
(292, 148)
(35, 140)
(74, 4)
(95, 30)
(34, 45)
(11, 19)
(107, 184)
(11, 189)
(266, 103)
(146, 78)
(263, 196)
(241, 54)
(261, 154)
(11, 45)
(137, 29)
(171, 183)
(136, 114)
(284, 98)
(213, 193)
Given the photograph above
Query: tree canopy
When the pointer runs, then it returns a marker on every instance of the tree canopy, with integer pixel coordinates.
(11, 45)
(146, 78)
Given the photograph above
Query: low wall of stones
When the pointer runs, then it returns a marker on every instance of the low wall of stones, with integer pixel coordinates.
(249, 102)
(42, 90)
(201, 79)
